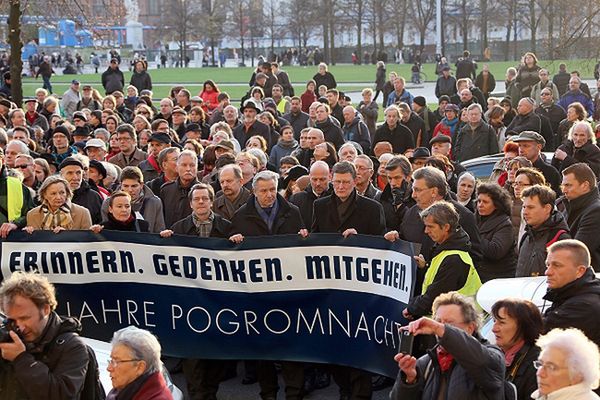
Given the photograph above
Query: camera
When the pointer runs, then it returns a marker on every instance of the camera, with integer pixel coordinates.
(406, 342)
(5, 328)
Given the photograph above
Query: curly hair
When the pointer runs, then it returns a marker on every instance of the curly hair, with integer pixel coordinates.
(499, 196)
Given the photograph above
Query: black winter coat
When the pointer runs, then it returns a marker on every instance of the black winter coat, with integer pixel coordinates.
(49, 370)
(220, 227)
(394, 214)
(328, 80)
(477, 372)
(135, 225)
(589, 153)
(416, 124)
(248, 222)
(305, 200)
(380, 78)
(400, 137)
(297, 121)
(498, 247)
(175, 200)
(333, 133)
(576, 305)
(554, 113)
(472, 143)
(90, 199)
(532, 248)
(365, 215)
(550, 173)
(582, 215)
(522, 373)
(257, 128)
(141, 80)
(529, 122)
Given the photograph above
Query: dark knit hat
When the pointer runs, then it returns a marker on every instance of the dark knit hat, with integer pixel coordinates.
(62, 129)
(420, 100)
(70, 161)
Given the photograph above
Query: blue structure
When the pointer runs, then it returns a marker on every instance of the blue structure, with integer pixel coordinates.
(66, 29)
(28, 50)
(84, 38)
(48, 36)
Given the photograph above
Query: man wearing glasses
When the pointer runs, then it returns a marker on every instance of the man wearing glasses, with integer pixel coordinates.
(43, 357)
(547, 107)
(130, 155)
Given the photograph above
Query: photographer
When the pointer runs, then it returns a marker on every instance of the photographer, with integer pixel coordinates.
(461, 366)
(42, 356)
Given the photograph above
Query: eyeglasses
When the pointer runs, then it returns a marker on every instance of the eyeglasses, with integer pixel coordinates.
(552, 368)
(114, 363)
(518, 184)
(545, 94)
(23, 166)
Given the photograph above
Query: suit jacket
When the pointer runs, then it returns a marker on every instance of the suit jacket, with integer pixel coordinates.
(365, 215)
(80, 216)
(220, 227)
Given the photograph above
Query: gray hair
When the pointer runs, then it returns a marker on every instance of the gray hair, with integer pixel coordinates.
(434, 178)
(265, 176)
(475, 106)
(51, 180)
(588, 128)
(85, 160)
(258, 153)
(582, 356)
(443, 213)
(465, 175)
(23, 149)
(187, 153)
(103, 132)
(222, 126)
(164, 153)
(352, 144)
(143, 344)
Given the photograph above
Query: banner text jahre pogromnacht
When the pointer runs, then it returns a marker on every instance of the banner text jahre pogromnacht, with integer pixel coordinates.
(269, 298)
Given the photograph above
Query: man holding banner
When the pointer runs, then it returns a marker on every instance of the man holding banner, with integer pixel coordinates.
(268, 213)
(348, 213)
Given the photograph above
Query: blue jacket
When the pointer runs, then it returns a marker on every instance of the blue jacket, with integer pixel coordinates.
(572, 96)
(406, 97)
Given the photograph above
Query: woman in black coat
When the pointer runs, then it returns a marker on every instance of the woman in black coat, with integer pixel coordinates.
(120, 215)
(379, 79)
(580, 147)
(517, 325)
(324, 77)
(497, 234)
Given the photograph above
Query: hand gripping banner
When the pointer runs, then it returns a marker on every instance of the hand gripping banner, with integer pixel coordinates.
(322, 299)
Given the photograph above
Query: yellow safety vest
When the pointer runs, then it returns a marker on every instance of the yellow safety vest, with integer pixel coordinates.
(281, 106)
(14, 201)
(473, 282)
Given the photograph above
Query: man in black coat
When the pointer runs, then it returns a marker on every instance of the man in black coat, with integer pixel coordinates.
(396, 196)
(319, 187)
(530, 146)
(72, 170)
(583, 207)
(526, 119)
(174, 194)
(202, 376)
(573, 289)
(346, 212)
(332, 132)
(296, 117)
(250, 126)
(268, 213)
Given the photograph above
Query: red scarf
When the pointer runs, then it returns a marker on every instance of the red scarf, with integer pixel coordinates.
(152, 161)
(509, 355)
(445, 359)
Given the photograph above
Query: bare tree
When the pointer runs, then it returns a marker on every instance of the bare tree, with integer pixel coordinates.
(14, 39)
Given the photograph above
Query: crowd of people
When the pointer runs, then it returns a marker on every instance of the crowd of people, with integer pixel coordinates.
(283, 163)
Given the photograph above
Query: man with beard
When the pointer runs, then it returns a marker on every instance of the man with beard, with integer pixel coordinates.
(251, 126)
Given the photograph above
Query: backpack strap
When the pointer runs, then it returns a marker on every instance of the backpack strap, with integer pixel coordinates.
(555, 238)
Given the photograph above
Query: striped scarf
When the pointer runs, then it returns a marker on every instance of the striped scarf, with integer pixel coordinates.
(61, 217)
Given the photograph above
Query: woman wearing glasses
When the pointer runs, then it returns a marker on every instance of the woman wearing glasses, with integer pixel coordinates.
(568, 366)
(135, 368)
(517, 325)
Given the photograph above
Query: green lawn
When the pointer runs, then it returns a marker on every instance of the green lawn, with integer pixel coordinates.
(346, 75)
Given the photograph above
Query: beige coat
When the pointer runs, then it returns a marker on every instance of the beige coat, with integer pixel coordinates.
(80, 215)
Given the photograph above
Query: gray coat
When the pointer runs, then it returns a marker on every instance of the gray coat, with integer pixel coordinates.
(477, 373)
